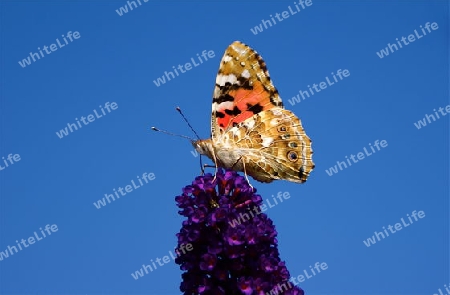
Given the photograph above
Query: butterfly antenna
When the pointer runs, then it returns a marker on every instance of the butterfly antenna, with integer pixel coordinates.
(181, 113)
(191, 139)
(201, 162)
(170, 133)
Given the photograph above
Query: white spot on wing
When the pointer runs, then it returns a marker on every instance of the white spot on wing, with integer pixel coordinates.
(240, 50)
(216, 92)
(225, 104)
(227, 58)
(274, 122)
(267, 141)
(222, 79)
(245, 74)
(276, 112)
(249, 124)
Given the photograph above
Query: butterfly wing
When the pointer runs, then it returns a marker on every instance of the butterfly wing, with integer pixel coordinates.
(273, 145)
(243, 88)
(248, 119)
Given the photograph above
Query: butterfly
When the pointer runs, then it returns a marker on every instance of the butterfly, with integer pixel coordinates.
(250, 129)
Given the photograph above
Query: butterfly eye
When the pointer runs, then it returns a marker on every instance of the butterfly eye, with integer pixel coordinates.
(292, 145)
(285, 136)
(292, 156)
(282, 128)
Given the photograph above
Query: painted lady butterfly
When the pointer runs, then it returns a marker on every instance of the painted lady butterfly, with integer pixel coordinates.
(250, 129)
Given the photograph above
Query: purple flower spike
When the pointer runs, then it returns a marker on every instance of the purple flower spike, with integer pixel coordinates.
(226, 244)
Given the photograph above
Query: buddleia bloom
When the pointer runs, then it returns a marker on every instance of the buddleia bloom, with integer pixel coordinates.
(233, 245)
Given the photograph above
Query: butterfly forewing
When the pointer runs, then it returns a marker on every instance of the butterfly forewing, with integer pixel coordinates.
(243, 88)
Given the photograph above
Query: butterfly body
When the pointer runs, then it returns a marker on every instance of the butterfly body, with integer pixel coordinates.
(250, 129)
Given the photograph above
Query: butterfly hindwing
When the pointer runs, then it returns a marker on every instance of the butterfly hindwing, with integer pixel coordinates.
(273, 145)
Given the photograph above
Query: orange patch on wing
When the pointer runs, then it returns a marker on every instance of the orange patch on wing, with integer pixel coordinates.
(242, 99)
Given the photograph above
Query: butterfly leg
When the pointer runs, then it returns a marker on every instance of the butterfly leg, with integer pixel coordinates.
(208, 166)
(246, 177)
(245, 173)
(215, 162)
(236, 162)
(202, 167)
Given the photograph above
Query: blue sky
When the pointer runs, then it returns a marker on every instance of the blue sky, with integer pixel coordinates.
(115, 59)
